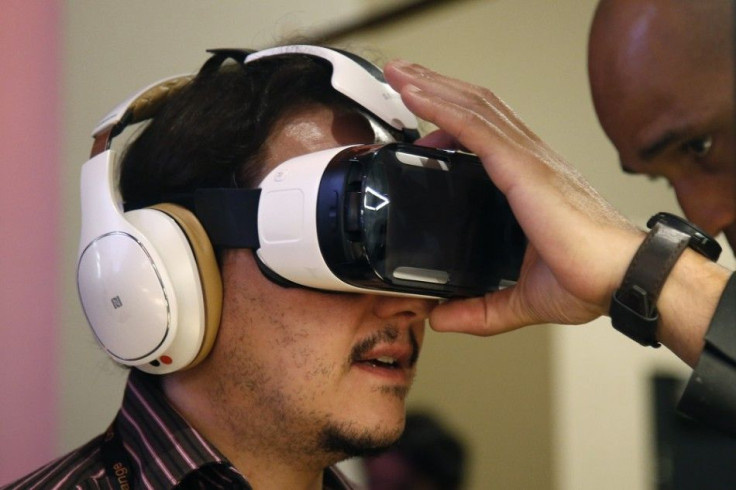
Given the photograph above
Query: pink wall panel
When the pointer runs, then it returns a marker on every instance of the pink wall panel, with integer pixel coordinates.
(30, 162)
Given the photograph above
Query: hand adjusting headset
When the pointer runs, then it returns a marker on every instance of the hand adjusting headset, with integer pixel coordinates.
(395, 219)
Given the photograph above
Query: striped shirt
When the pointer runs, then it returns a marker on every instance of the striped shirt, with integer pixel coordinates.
(149, 445)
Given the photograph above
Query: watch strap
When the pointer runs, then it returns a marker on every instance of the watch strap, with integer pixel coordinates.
(700, 241)
(634, 305)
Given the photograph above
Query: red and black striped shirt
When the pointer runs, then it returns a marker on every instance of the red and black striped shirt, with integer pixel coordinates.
(149, 445)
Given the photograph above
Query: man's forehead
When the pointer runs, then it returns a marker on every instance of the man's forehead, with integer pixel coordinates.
(312, 128)
(685, 35)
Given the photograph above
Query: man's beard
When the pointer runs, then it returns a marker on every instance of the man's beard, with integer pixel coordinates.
(347, 444)
(345, 441)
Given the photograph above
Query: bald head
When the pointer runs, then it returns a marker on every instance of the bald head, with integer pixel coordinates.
(662, 80)
(645, 49)
(633, 40)
(704, 22)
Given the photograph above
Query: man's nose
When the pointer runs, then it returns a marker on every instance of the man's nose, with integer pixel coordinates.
(406, 308)
(711, 208)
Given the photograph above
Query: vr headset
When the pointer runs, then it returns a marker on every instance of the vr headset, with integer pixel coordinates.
(395, 219)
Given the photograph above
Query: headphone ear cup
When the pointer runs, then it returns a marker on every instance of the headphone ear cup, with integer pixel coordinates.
(208, 271)
(187, 305)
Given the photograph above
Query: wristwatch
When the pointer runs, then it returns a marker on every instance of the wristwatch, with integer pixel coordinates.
(634, 304)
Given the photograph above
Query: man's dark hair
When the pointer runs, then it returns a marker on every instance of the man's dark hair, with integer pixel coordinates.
(212, 133)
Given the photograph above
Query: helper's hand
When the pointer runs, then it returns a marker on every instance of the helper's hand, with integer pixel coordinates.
(579, 247)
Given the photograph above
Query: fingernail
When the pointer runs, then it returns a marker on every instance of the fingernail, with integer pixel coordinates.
(399, 64)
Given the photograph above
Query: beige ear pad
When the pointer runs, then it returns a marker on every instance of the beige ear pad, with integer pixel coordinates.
(209, 273)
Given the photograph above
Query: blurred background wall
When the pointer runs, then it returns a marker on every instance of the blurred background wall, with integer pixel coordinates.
(547, 407)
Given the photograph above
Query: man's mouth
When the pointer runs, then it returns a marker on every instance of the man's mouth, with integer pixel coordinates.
(385, 350)
(386, 362)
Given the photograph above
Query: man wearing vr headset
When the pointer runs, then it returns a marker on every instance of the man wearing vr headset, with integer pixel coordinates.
(297, 379)
(584, 259)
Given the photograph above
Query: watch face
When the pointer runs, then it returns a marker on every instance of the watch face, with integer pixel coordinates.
(700, 241)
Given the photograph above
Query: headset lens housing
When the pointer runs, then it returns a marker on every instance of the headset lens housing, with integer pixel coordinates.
(419, 220)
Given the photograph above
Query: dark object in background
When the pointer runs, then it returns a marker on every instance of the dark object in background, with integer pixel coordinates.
(428, 456)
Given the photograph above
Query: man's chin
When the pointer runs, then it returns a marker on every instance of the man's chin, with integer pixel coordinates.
(348, 442)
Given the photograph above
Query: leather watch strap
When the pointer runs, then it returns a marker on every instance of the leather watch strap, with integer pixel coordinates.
(634, 305)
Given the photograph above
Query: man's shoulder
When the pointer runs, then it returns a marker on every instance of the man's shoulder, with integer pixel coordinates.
(81, 468)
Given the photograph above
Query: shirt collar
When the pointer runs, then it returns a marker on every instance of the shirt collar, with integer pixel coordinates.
(160, 443)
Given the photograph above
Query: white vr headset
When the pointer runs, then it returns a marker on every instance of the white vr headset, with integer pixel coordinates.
(387, 219)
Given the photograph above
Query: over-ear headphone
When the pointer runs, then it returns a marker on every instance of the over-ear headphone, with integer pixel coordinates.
(148, 279)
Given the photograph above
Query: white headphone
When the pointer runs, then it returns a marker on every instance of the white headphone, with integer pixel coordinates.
(148, 279)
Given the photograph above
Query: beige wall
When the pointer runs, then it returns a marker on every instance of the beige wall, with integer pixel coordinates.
(541, 408)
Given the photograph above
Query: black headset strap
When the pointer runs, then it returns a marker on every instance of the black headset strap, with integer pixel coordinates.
(220, 55)
(228, 215)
